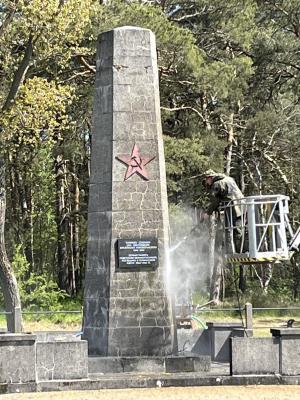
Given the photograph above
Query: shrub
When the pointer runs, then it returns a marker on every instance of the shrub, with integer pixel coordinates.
(37, 291)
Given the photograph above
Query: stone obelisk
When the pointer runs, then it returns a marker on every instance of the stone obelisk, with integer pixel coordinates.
(127, 308)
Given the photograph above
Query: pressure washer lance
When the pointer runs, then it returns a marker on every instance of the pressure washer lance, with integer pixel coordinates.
(192, 232)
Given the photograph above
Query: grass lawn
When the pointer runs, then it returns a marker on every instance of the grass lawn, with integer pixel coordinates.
(65, 322)
(262, 321)
(61, 322)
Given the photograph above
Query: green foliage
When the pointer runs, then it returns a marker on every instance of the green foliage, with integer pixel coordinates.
(38, 116)
(173, 42)
(56, 28)
(37, 291)
(185, 159)
(229, 74)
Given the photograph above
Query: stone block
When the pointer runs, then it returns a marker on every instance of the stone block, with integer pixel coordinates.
(124, 304)
(100, 197)
(147, 147)
(140, 341)
(169, 364)
(135, 75)
(96, 312)
(103, 100)
(99, 227)
(220, 334)
(130, 292)
(179, 364)
(61, 360)
(187, 363)
(196, 341)
(125, 364)
(285, 332)
(122, 99)
(101, 159)
(254, 356)
(134, 221)
(50, 336)
(97, 262)
(94, 263)
(101, 122)
(93, 285)
(143, 200)
(104, 75)
(202, 363)
(136, 195)
(133, 42)
(97, 339)
(290, 355)
(289, 350)
(105, 49)
(17, 358)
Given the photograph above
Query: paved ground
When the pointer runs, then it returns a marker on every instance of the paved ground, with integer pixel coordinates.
(190, 393)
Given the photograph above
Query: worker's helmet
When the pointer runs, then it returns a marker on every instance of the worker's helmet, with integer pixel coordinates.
(208, 173)
(208, 177)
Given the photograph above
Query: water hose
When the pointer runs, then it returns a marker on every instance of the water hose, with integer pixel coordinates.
(200, 321)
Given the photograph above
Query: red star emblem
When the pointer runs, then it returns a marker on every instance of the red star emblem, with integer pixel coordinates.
(135, 163)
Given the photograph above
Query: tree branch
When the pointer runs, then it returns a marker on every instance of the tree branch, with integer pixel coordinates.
(83, 61)
(184, 108)
(185, 17)
(19, 75)
(279, 170)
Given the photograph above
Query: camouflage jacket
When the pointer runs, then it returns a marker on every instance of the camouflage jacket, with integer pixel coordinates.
(223, 189)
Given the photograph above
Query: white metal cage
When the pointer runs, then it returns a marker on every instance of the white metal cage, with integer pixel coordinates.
(257, 230)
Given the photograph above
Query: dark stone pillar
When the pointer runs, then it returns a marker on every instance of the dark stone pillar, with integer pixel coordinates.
(127, 312)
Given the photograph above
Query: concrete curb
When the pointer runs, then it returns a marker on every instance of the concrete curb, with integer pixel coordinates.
(125, 381)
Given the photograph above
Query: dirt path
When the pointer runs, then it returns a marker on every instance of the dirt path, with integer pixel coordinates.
(189, 393)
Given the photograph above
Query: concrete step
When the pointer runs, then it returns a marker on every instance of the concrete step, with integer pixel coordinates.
(181, 363)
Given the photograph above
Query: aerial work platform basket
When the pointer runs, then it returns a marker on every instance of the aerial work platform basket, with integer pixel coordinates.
(257, 230)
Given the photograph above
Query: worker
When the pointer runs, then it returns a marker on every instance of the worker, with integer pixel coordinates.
(223, 189)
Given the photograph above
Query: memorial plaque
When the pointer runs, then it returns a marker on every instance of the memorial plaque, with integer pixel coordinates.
(137, 253)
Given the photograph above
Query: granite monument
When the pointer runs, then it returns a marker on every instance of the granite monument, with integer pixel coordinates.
(127, 307)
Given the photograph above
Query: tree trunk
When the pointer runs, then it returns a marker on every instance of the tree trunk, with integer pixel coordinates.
(230, 144)
(27, 208)
(211, 248)
(25, 228)
(296, 280)
(19, 74)
(243, 268)
(76, 249)
(216, 258)
(62, 259)
(242, 278)
(30, 223)
(267, 276)
(7, 277)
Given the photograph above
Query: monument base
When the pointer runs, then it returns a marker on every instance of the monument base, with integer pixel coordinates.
(181, 363)
(24, 359)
